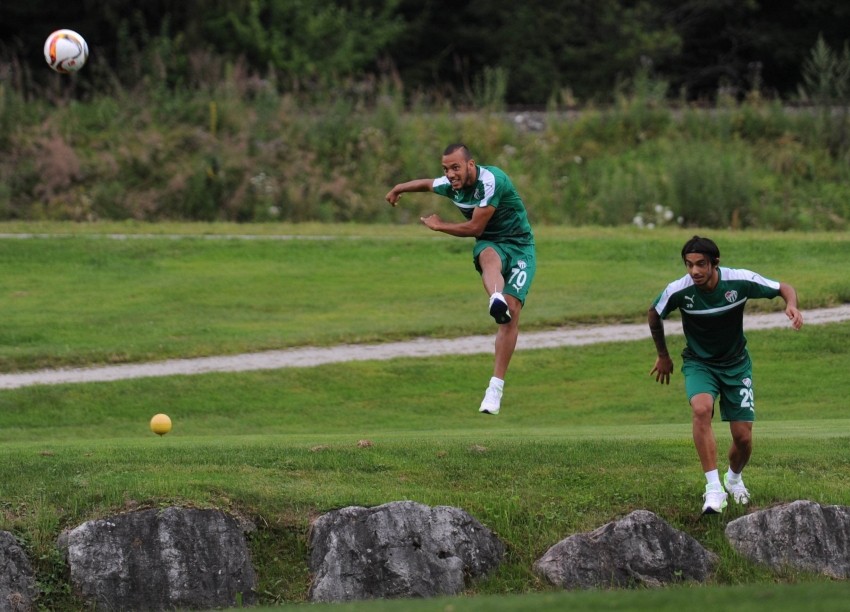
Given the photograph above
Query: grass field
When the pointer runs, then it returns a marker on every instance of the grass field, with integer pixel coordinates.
(585, 435)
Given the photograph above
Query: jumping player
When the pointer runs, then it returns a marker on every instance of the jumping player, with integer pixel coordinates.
(503, 252)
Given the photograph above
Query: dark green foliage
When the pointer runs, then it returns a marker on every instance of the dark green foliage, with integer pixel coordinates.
(826, 76)
(556, 50)
(299, 111)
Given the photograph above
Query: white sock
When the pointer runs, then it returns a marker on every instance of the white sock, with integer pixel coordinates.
(712, 478)
(732, 476)
(497, 383)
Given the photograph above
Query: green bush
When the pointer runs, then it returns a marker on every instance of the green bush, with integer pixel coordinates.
(236, 150)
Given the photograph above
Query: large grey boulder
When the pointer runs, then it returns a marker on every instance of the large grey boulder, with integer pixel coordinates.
(802, 535)
(638, 550)
(399, 549)
(175, 558)
(17, 583)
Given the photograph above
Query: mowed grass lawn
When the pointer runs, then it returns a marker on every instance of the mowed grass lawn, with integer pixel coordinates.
(585, 435)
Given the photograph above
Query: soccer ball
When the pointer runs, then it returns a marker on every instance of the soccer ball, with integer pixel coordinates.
(66, 51)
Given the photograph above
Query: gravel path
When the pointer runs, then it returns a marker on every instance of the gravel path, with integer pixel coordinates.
(421, 347)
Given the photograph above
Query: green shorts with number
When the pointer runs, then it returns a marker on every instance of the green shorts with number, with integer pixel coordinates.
(518, 265)
(733, 384)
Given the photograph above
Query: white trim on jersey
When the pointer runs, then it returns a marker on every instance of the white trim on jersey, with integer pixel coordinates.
(726, 274)
(748, 275)
(487, 178)
(440, 180)
(674, 287)
(716, 310)
(489, 181)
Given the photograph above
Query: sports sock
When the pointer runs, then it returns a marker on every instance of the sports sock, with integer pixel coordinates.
(732, 476)
(713, 478)
(497, 383)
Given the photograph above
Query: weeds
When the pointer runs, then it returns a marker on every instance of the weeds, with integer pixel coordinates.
(194, 154)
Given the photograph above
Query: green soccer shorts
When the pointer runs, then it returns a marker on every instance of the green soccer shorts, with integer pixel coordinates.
(518, 266)
(734, 386)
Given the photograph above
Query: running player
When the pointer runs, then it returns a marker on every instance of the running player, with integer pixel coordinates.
(503, 252)
(716, 363)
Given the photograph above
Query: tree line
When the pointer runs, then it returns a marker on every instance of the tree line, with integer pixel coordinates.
(522, 54)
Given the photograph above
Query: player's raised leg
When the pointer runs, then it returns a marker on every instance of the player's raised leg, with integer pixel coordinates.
(491, 277)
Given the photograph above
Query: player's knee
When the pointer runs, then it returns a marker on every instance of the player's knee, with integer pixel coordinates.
(489, 256)
(702, 408)
(514, 307)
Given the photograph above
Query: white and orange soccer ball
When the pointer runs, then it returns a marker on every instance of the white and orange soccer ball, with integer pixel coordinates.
(66, 51)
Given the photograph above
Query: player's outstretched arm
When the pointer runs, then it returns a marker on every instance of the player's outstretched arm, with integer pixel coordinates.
(415, 185)
(789, 294)
(663, 363)
(474, 227)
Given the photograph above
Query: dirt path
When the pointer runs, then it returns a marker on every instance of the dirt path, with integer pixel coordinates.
(422, 347)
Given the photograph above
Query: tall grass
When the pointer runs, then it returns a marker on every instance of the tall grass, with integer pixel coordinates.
(236, 150)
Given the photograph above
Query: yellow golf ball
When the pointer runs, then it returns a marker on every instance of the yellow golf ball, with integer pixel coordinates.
(160, 424)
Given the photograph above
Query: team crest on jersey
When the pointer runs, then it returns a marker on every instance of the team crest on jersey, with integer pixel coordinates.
(731, 296)
(477, 194)
(747, 382)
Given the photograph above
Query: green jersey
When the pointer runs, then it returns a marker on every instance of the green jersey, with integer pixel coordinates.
(713, 321)
(492, 188)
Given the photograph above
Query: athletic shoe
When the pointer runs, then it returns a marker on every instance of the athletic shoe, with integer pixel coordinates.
(738, 490)
(491, 402)
(715, 499)
(499, 309)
